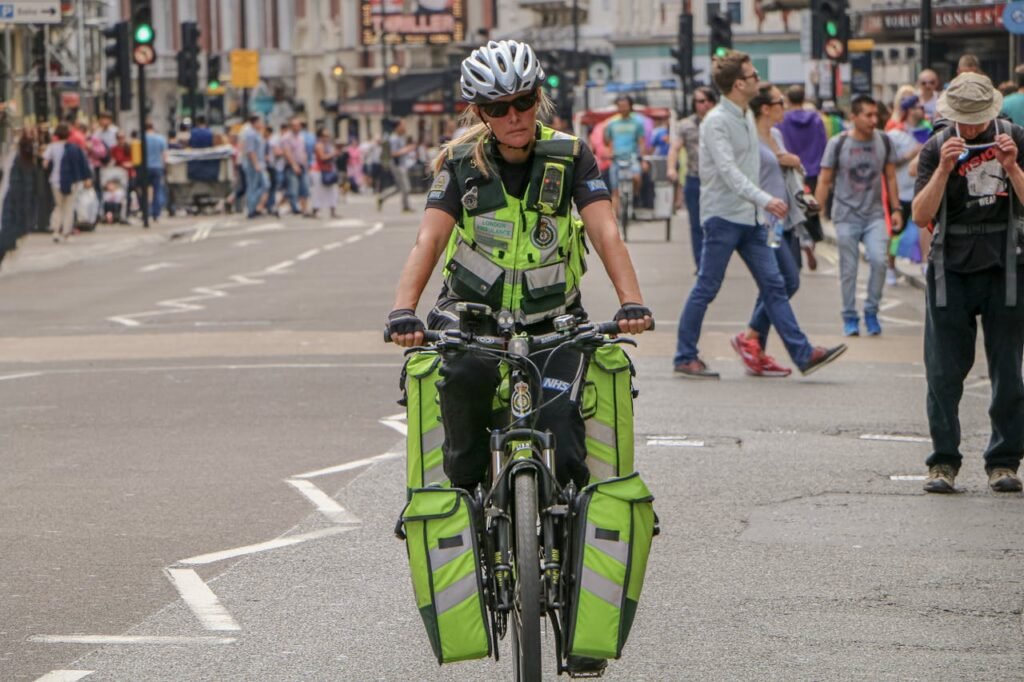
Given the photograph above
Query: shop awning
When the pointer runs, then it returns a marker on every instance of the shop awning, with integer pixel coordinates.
(403, 92)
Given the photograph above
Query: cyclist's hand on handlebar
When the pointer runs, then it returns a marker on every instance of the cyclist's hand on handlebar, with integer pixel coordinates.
(404, 328)
(634, 318)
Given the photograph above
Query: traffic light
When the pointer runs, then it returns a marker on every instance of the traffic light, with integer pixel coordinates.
(720, 35)
(143, 35)
(830, 30)
(188, 56)
(213, 83)
(119, 62)
(683, 54)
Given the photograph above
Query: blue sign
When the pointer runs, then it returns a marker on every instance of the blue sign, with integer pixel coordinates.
(1013, 17)
(6, 11)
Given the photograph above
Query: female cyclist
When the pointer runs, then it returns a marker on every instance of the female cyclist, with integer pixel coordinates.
(500, 209)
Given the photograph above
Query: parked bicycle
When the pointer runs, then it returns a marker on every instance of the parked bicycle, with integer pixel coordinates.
(541, 552)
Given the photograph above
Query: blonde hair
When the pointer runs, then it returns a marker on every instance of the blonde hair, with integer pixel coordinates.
(479, 132)
(902, 92)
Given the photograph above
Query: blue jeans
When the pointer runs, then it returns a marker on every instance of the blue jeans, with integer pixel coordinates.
(155, 179)
(789, 268)
(297, 186)
(876, 243)
(255, 186)
(721, 239)
(691, 194)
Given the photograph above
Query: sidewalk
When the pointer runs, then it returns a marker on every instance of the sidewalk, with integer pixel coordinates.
(37, 251)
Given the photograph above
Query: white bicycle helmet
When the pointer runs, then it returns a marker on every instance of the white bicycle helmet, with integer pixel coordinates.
(500, 68)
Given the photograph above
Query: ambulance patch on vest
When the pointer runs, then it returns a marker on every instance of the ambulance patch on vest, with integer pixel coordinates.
(544, 234)
(496, 229)
(440, 185)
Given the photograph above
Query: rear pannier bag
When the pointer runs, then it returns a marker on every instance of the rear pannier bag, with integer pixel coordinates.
(608, 413)
(425, 435)
(444, 560)
(614, 523)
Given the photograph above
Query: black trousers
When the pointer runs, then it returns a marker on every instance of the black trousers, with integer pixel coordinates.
(466, 391)
(949, 342)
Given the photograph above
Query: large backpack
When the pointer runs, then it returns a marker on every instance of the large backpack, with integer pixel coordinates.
(608, 395)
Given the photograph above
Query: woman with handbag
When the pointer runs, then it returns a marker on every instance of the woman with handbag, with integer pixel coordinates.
(325, 192)
(768, 107)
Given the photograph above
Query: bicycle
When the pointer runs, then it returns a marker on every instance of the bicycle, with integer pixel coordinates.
(527, 518)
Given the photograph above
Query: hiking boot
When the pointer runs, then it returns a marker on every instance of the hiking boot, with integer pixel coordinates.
(584, 666)
(821, 356)
(941, 479)
(851, 326)
(770, 368)
(871, 324)
(1004, 481)
(695, 369)
(749, 351)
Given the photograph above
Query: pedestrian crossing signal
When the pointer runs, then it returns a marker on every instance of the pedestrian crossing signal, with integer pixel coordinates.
(720, 38)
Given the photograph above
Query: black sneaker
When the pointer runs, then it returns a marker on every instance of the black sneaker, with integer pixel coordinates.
(695, 369)
(583, 666)
(941, 479)
(821, 356)
(1004, 481)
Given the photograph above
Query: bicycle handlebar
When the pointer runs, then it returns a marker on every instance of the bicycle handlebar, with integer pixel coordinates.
(462, 339)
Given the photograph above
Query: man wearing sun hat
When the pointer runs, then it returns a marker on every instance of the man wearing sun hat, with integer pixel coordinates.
(969, 176)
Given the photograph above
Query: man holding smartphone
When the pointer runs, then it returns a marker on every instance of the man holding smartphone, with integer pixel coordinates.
(969, 179)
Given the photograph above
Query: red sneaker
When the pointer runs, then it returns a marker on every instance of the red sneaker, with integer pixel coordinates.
(770, 368)
(749, 351)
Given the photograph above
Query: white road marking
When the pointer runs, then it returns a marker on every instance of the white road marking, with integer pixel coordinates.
(895, 439)
(674, 443)
(907, 477)
(201, 600)
(977, 384)
(349, 466)
(248, 242)
(333, 245)
(900, 321)
(103, 640)
(284, 265)
(204, 294)
(269, 227)
(65, 675)
(399, 426)
(153, 267)
(23, 375)
(323, 502)
(277, 543)
(346, 222)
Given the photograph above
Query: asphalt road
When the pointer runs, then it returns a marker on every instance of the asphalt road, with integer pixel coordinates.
(199, 479)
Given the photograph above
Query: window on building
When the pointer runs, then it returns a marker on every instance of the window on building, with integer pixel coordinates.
(714, 6)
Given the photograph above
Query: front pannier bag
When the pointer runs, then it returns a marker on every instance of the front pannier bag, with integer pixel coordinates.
(424, 460)
(608, 412)
(444, 560)
(614, 523)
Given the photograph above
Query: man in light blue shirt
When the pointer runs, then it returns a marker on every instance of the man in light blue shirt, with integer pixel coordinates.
(734, 210)
(624, 136)
(156, 148)
(1013, 105)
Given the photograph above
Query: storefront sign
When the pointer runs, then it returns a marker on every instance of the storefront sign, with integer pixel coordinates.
(952, 19)
(432, 21)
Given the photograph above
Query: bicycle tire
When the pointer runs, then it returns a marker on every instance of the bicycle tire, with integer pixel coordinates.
(527, 615)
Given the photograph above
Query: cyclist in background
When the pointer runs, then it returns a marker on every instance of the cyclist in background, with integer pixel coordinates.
(624, 136)
(500, 209)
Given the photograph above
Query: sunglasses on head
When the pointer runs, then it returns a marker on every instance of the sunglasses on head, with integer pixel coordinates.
(500, 109)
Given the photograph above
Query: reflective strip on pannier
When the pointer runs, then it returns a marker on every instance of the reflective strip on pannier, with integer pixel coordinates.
(614, 523)
(444, 560)
(425, 435)
(608, 411)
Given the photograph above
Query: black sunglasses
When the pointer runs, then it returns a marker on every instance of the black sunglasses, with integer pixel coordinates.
(521, 103)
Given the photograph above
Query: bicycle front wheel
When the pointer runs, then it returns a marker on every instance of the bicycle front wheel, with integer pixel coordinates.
(526, 613)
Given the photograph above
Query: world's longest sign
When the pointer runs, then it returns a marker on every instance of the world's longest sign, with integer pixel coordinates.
(417, 22)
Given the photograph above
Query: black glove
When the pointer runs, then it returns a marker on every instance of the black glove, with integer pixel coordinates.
(633, 311)
(403, 321)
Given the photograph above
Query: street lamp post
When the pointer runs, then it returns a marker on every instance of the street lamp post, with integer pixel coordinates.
(384, 57)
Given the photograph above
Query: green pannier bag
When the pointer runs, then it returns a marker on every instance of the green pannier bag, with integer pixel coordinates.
(424, 459)
(614, 523)
(608, 413)
(444, 560)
